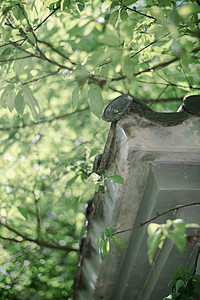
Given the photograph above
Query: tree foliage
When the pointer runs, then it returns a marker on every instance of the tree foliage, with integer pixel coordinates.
(60, 61)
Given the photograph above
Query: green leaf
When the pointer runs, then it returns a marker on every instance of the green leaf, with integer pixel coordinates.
(172, 282)
(8, 98)
(14, 212)
(6, 52)
(110, 37)
(19, 102)
(163, 3)
(179, 284)
(31, 38)
(128, 2)
(75, 97)
(123, 14)
(95, 99)
(7, 9)
(64, 4)
(118, 241)
(19, 65)
(153, 242)
(4, 97)
(116, 179)
(179, 273)
(192, 270)
(81, 4)
(114, 4)
(108, 231)
(89, 191)
(178, 234)
(23, 212)
(113, 17)
(71, 181)
(129, 66)
(102, 242)
(32, 103)
(18, 13)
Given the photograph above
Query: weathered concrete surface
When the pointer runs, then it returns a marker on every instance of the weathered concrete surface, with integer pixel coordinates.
(161, 169)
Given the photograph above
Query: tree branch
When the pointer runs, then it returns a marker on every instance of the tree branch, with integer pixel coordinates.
(165, 64)
(20, 253)
(13, 59)
(143, 48)
(43, 57)
(37, 214)
(157, 216)
(39, 242)
(56, 50)
(14, 42)
(158, 66)
(138, 12)
(9, 239)
(45, 121)
(38, 78)
(54, 10)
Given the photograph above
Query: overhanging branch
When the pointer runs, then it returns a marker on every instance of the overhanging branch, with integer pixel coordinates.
(157, 216)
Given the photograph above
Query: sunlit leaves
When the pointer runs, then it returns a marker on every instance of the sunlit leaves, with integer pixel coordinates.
(110, 37)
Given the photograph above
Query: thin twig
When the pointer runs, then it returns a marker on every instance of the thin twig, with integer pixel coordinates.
(43, 58)
(138, 12)
(55, 9)
(45, 120)
(185, 76)
(19, 254)
(158, 66)
(143, 48)
(9, 239)
(55, 50)
(38, 78)
(157, 216)
(162, 92)
(165, 64)
(37, 214)
(13, 59)
(14, 42)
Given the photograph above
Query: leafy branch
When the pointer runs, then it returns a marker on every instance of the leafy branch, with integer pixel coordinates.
(157, 216)
(37, 241)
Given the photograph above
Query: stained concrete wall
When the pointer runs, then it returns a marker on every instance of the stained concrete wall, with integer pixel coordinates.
(160, 165)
